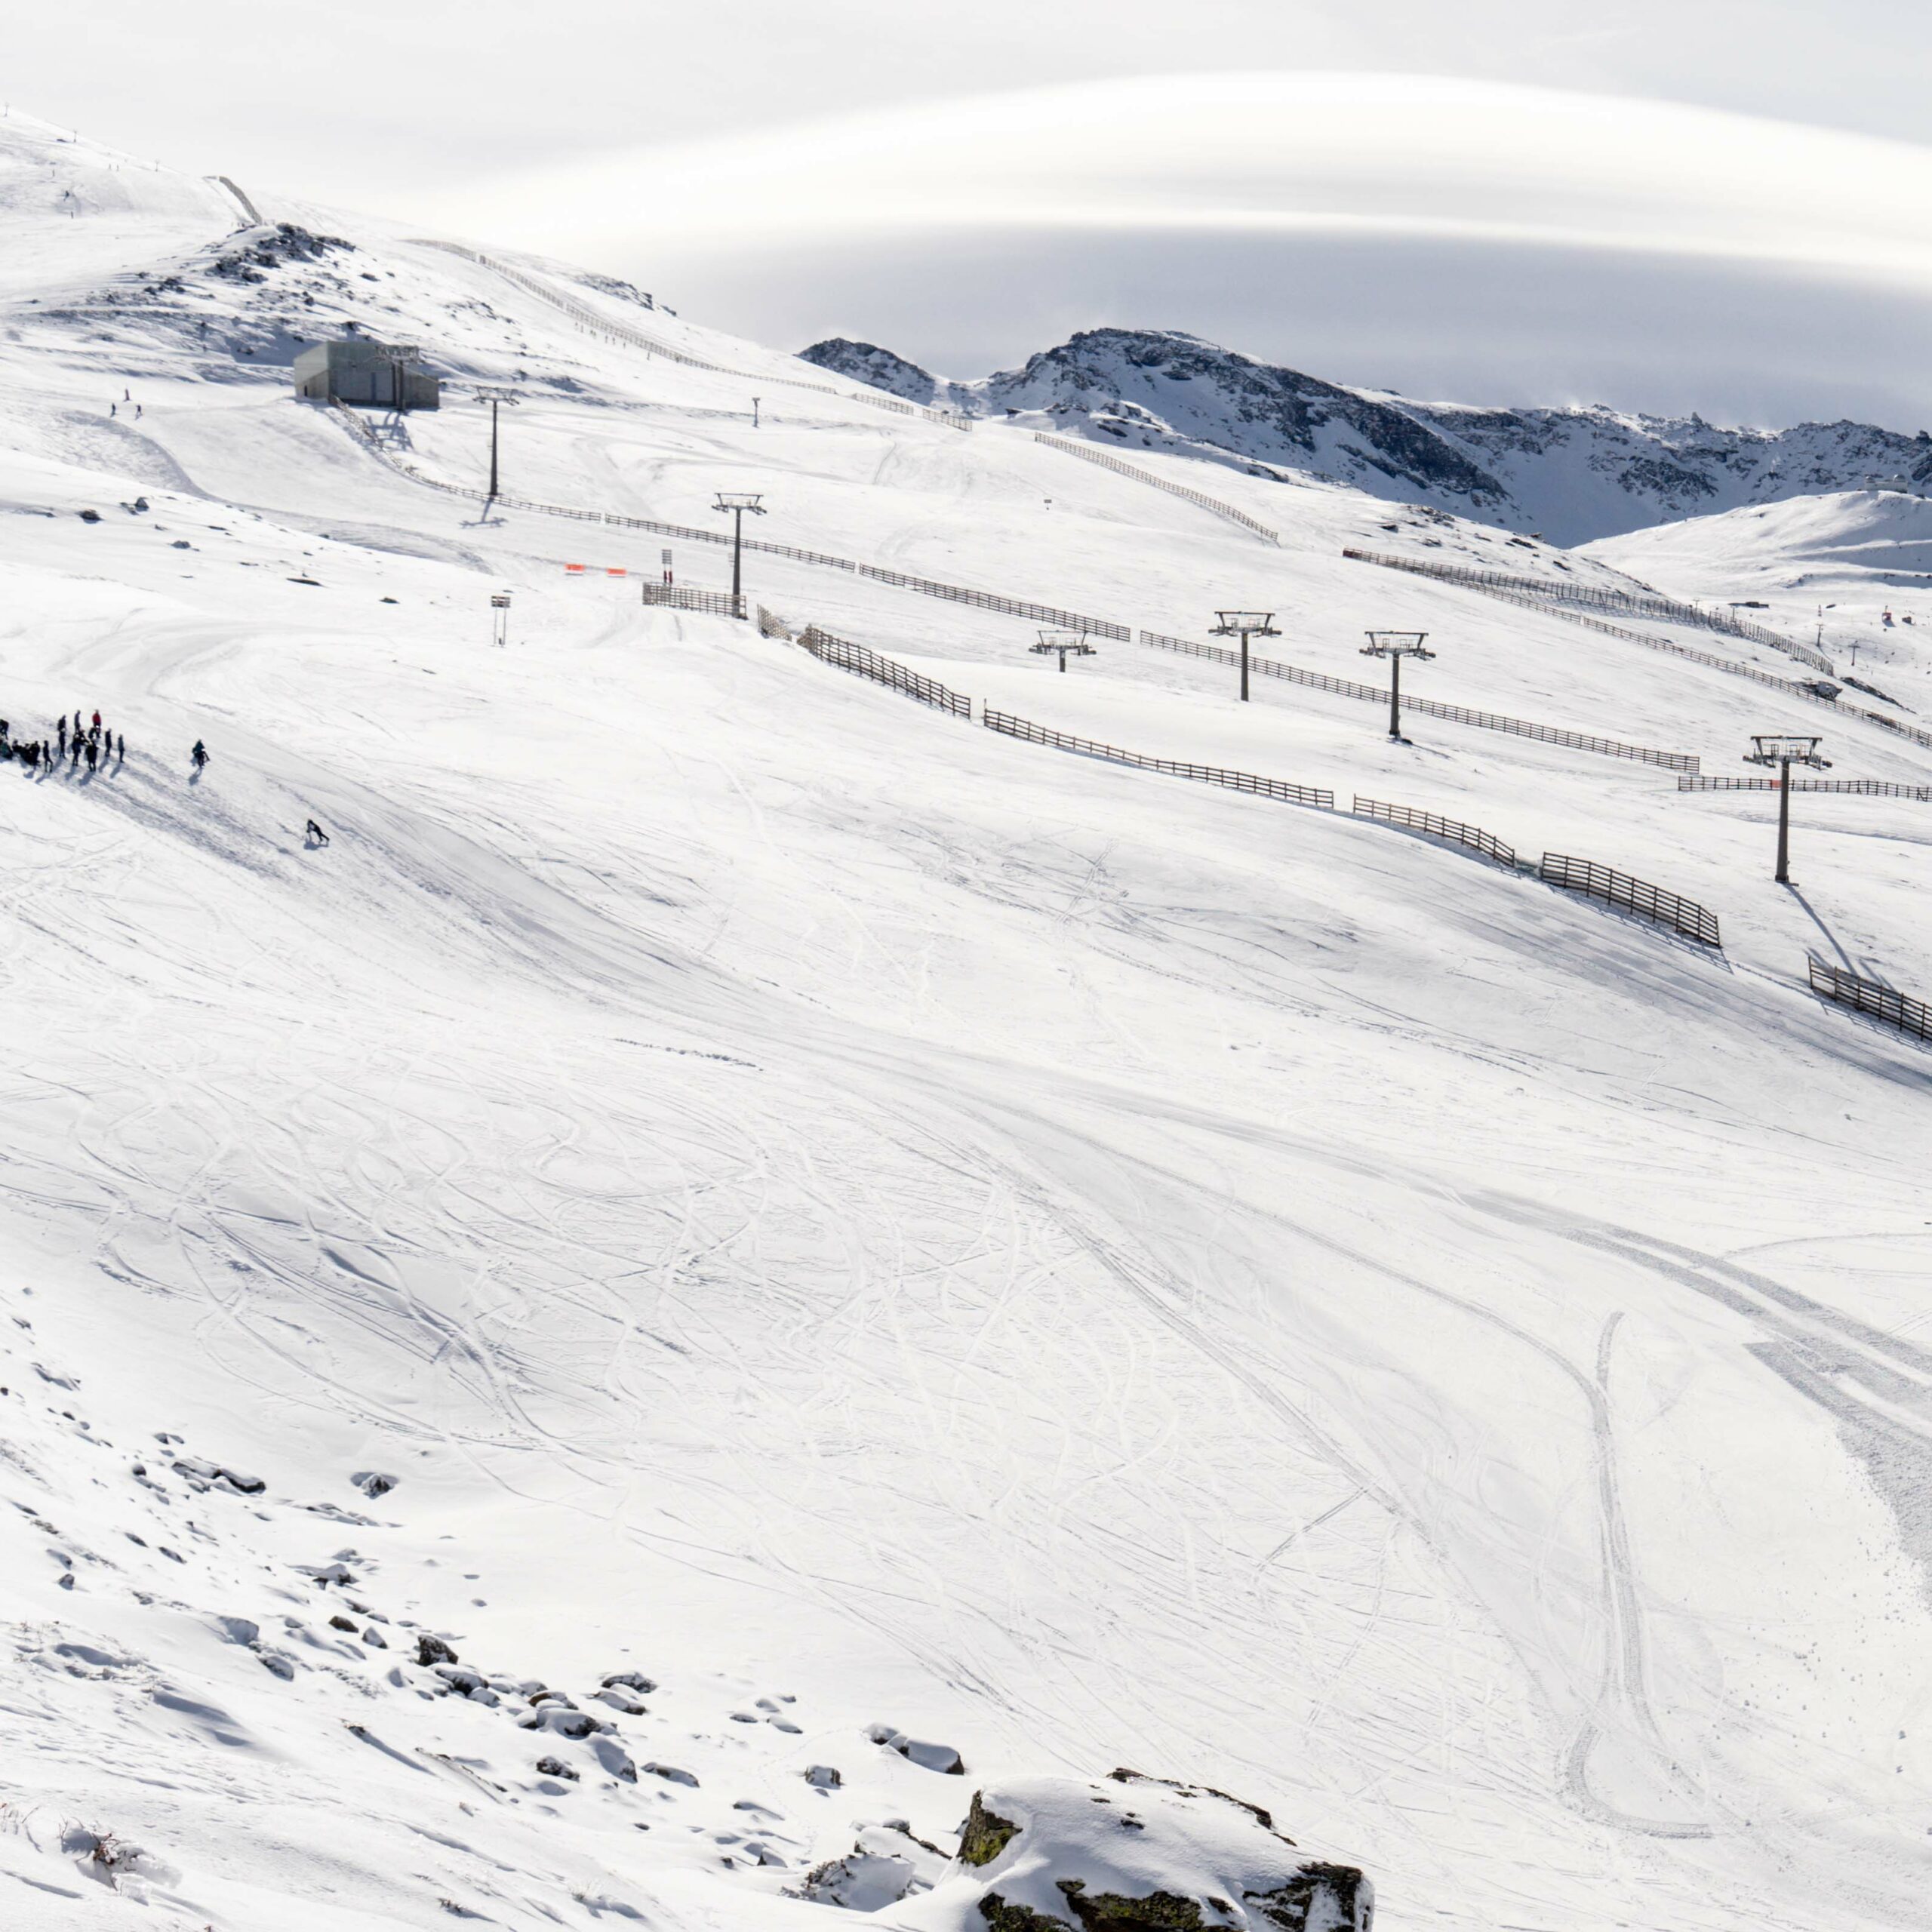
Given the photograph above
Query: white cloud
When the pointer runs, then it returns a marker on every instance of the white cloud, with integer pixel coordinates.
(1327, 155)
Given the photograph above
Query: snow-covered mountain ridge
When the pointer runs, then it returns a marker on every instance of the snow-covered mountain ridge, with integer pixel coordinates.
(1573, 474)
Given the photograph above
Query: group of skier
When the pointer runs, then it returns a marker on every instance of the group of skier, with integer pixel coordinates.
(91, 741)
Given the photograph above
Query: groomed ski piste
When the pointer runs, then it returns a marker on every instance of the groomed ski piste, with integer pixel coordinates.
(720, 1178)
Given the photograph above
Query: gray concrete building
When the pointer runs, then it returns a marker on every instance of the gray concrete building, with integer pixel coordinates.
(359, 369)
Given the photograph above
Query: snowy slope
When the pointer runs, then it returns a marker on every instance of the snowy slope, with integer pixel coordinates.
(1572, 474)
(1832, 567)
(864, 1225)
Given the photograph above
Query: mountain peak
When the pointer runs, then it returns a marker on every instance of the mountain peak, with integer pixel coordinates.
(1576, 473)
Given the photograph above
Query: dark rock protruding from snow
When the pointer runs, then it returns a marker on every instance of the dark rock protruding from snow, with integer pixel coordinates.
(926, 1755)
(214, 1475)
(866, 362)
(432, 1650)
(564, 1723)
(631, 1680)
(373, 1483)
(1066, 1855)
(986, 1834)
(887, 1863)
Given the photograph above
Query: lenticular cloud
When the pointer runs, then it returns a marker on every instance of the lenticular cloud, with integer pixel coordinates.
(1340, 154)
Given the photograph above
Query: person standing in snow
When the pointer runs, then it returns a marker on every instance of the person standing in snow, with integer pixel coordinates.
(93, 752)
(64, 735)
(121, 756)
(97, 722)
(315, 834)
(199, 755)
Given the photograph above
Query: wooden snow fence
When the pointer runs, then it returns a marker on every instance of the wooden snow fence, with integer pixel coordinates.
(1282, 789)
(1860, 788)
(713, 603)
(1458, 714)
(1452, 831)
(1635, 602)
(1632, 895)
(1087, 453)
(864, 664)
(1871, 996)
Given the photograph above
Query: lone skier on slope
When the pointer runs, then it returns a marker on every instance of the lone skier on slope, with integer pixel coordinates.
(199, 755)
(315, 834)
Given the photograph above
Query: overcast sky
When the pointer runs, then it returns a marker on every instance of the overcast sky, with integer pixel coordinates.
(1719, 205)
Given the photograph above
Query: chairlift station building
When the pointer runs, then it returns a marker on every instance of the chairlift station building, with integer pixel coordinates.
(358, 369)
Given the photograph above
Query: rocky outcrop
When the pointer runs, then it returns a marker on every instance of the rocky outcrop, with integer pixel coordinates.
(866, 362)
(1133, 1853)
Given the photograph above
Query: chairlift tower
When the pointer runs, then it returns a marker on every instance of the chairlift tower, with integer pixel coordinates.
(495, 399)
(1396, 645)
(738, 501)
(1784, 752)
(499, 618)
(1245, 624)
(1067, 643)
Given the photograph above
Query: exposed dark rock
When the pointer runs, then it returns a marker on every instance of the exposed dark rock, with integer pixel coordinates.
(1339, 1887)
(1121, 1775)
(432, 1650)
(285, 243)
(927, 1756)
(631, 1680)
(555, 1767)
(553, 1717)
(868, 363)
(984, 1835)
(1113, 1912)
(1001, 1917)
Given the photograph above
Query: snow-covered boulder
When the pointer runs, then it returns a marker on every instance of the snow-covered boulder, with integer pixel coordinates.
(1128, 1852)
(923, 1752)
(887, 1863)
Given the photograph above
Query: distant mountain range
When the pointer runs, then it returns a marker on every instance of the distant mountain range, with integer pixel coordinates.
(1571, 474)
